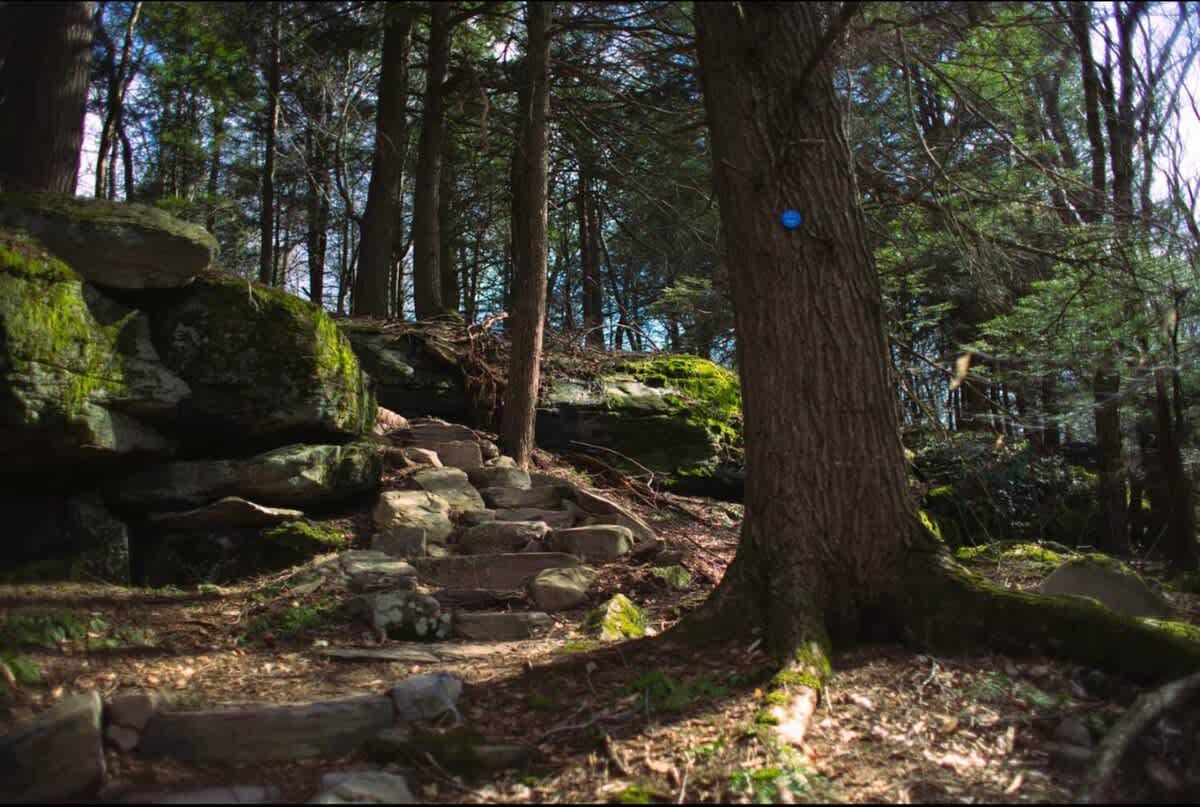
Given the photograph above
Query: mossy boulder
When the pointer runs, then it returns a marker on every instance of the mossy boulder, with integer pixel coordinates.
(124, 246)
(1111, 582)
(618, 618)
(676, 415)
(263, 365)
(79, 376)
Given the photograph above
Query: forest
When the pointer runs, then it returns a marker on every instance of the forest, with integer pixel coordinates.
(600, 401)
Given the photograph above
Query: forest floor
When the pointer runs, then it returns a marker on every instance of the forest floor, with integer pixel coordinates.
(628, 722)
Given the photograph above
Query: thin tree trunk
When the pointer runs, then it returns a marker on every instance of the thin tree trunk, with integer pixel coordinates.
(318, 216)
(121, 74)
(1106, 386)
(266, 263)
(529, 223)
(382, 219)
(589, 258)
(1181, 546)
(214, 168)
(43, 93)
(427, 242)
(126, 158)
(446, 264)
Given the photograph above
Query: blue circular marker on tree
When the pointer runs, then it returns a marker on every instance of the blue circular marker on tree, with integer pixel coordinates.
(791, 219)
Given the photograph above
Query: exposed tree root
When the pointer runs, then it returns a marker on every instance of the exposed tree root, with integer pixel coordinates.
(949, 608)
(1144, 713)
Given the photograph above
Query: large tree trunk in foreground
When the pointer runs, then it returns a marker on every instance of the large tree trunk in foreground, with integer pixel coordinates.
(529, 224)
(828, 516)
(43, 90)
(381, 219)
(427, 240)
(831, 549)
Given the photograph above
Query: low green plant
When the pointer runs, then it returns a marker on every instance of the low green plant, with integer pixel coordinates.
(769, 785)
(706, 752)
(635, 794)
(676, 577)
(296, 619)
(663, 693)
(45, 628)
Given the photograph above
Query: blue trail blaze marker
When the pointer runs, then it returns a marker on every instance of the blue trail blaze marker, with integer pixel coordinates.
(791, 219)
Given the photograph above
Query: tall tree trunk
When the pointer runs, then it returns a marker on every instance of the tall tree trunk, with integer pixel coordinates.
(381, 220)
(589, 257)
(317, 240)
(1181, 549)
(529, 226)
(447, 269)
(214, 167)
(43, 93)
(427, 242)
(266, 260)
(828, 517)
(126, 158)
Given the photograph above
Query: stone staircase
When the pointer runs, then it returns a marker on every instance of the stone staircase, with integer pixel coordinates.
(469, 530)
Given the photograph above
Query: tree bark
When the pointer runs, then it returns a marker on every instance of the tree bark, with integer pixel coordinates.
(529, 229)
(828, 516)
(427, 242)
(43, 93)
(589, 257)
(318, 215)
(381, 220)
(119, 77)
(266, 260)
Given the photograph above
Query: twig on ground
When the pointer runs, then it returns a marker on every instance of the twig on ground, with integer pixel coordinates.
(1144, 713)
(444, 775)
(610, 751)
(597, 719)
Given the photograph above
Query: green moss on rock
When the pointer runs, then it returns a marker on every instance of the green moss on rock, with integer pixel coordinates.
(261, 361)
(305, 537)
(702, 393)
(616, 619)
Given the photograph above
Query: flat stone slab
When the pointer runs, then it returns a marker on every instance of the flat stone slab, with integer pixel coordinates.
(126, 246)
(422, 456)
(59, 756)
(232, 794)
(432, 430)
(602, 543)
(554, 519)
(231, 511)
(499, 477)
(501, 536)
(450, 484)
(546, 497)
(363, 787)
(507, 571)
(500, 625)
(462, 454)
(268, 733)
(596, 504)
(401, 655)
